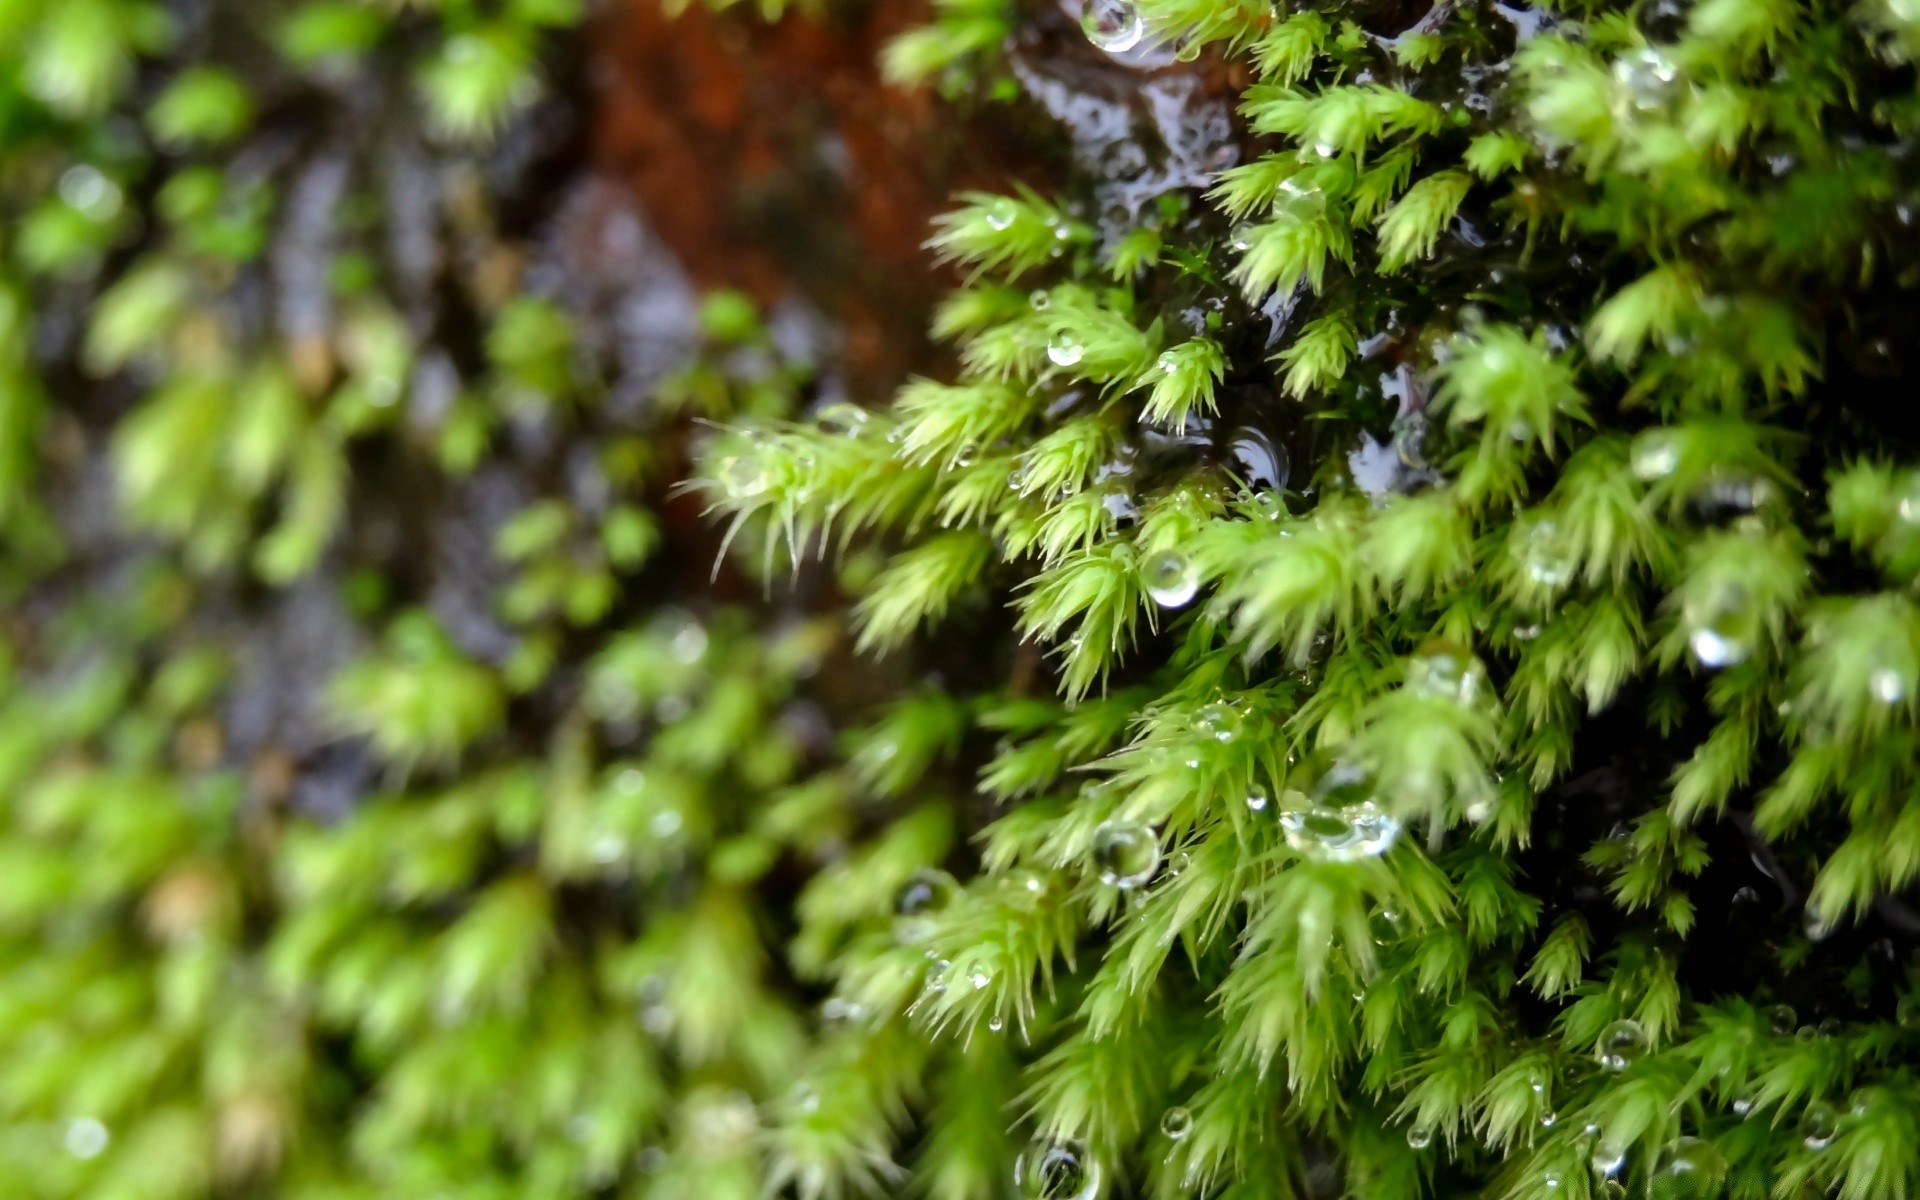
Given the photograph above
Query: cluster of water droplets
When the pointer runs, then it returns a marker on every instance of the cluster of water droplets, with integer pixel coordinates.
(1343, 821)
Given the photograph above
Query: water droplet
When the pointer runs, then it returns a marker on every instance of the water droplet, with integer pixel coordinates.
(1686, 1169)
(1219, 720)
(1113, 25)
(937, 972)
(1742, 1105)
(1040, 300)
(1656, 455)
(1257, 800)
(1608, 1157)
(1544, 553)
(924, 895)
(1447, 670)
(89, 192)
(86, 1137)
(979, 979)
(1647, 77)
(1065, 350)
(1419, 1137)
(1176, 1123)
(1056, 1170)
(1818, 928)
(1888, 685)
(1170, 580)
(1818, 1125)
(843, 419)
(1342, 822)
(1548, 1119)
(1621, 1043)
(1167, 363)
(995, 1024)
(1299, 201)
(1127, 854)
(1001, 212)
(1781, 1019)
(1723, 626)
(742, 475)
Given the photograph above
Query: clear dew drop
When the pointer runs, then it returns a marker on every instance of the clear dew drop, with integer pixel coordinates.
(1126, 854)
(924, 895)
(1055, 1170)
(1447, 670)
(1548, 1119)
(1170, 580)
(1888, 685)
(1742, 1105)
(742, 476)
(1220, 721)
(1299, 201)
(1816, 925)
(1608, 1157)
(1343, 821)
(1544, 553)
(1176, 1123)
(1655, 455)
(1722, 626)
(1040, 300)
(1112, 25)
(86, 1137)
(1647, 78)
(1257, 800)
(1419, 1137)
(1001, 213)
(1621, 1044)
(1687, 1168)
(979, 979)
(937, 972)
(995, 1024)
(1781, 1019)
(1819, 1124)
(1065, 350)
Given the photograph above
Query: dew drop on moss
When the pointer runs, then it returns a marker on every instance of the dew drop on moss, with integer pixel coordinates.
(742, 476)
(1819, 1124)
(1544, 553)
(1112, 25)
(1447, 670)
(1419, 1137)
(1170, 579)
(1621, 1044)
(1001, 213)
(1648, 79)
(1686, 1169)
(1176, 1123)
(1257, 800)
(1888, 685)
(1656, 455)
(1608, 1157)
(1219, 720)
(921, 898)
(1721, 627)
(1342, 822)
(1127, 854)
(1781, 1019)
(1064, 350)
(1055, 1170)
(1299, 201)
